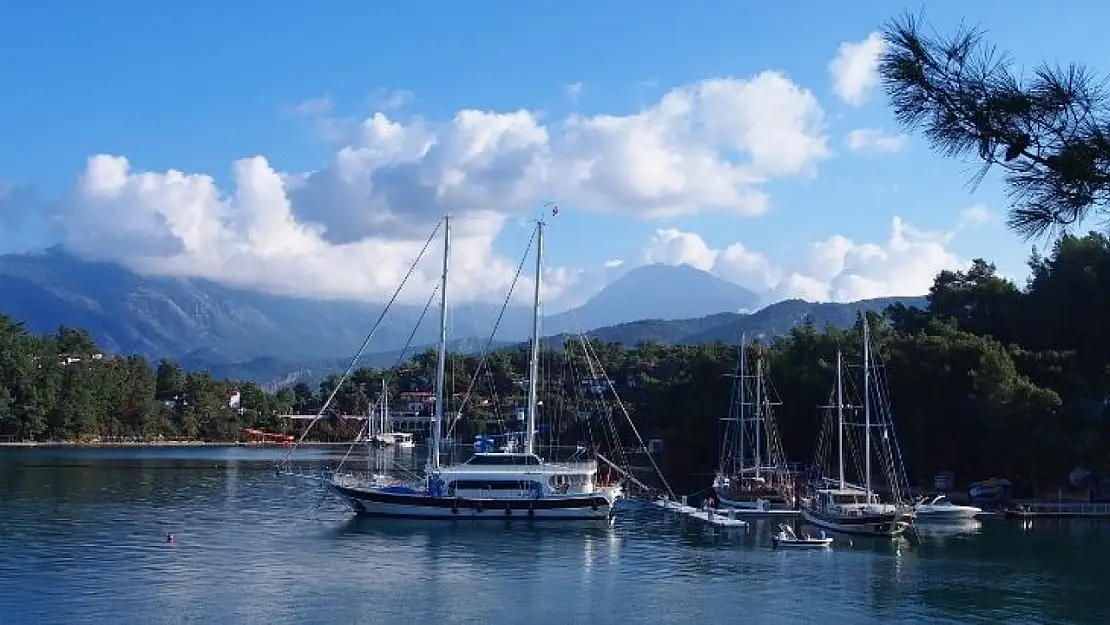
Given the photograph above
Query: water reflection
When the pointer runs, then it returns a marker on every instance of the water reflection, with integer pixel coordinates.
(82, 540)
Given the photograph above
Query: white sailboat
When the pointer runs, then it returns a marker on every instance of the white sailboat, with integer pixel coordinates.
(844, 507)
(382, 428)
(492, 485)
(753, 477)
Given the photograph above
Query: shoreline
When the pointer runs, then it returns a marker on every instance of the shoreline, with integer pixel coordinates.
(151, 444)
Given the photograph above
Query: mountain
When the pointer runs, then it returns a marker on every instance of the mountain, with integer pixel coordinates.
(773, 320)
(657, 291)
(279, 339)
(200, 321)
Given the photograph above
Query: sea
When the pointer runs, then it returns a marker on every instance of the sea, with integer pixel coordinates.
(83, 539)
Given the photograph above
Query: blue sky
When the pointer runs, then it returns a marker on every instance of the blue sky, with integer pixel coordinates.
(196, 86)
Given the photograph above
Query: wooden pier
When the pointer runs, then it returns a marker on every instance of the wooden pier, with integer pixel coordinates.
(1059, 510)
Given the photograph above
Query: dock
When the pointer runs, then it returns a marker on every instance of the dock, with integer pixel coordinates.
(1059, 510)
(710, 516)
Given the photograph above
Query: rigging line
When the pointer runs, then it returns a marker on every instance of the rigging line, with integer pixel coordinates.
(489, 341)
(628, 417)
(412, 335)
(365, 342)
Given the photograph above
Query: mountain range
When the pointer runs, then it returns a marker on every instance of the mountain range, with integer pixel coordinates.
(277, 339)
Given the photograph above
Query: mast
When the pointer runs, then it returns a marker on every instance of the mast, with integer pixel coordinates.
(867, 403)
(534, 364)
(840, 416)
(743, 398)
(759, 415)
(384, 416)
(441, 364)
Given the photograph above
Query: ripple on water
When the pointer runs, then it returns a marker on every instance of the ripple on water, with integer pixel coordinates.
(85, 542)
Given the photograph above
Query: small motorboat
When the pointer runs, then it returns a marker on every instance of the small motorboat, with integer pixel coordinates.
(721, 517)
(787, 538)
(670, 505)
(939, 509)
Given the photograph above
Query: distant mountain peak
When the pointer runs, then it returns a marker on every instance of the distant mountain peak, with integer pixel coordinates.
(656, 291)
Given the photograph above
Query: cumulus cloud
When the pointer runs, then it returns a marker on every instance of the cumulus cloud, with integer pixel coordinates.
(836, 269)
(855, 69)
(350, 228)
(975, 215)
(875, 141)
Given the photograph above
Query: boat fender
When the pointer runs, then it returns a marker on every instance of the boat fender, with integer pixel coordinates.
(531, 510)
(508, 509)
(478, 506)
(594, 507)
(455, 509)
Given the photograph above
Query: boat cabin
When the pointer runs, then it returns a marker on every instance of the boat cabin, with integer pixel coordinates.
(499, 475)
(847, 501)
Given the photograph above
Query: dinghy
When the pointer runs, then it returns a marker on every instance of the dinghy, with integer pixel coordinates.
(787, 538)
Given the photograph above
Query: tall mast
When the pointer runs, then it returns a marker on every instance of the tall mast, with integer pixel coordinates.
(743, 398)
(759, 415)
(534, 364)
(384, 416)
(867, 403)
(441, 358)
(840, 415)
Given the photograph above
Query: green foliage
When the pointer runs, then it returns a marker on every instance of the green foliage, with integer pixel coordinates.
(985, 378)
(1046, 128)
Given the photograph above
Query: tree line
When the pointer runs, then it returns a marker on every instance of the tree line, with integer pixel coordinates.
(987, 379)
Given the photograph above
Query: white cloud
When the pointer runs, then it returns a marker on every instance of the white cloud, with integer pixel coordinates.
(309, 108)
(875, 141)
(975, 215)
(574, 92)
(384, 99)
(836, 269)
(350, 228)
(616, 262)
(855, 69)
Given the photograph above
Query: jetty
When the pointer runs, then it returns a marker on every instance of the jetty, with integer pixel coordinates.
(710, 516)
(1058, 510)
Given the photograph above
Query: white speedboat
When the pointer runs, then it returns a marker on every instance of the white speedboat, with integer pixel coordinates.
(940, 509)
(787, 538)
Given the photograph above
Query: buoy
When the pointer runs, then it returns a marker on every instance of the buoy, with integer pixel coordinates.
(169, 538)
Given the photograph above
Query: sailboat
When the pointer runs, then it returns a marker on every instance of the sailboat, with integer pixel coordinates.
(385, 436)
(753, 477)
(489, 485)
(849, 508)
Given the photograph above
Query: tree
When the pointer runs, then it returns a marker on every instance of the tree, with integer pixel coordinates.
(1049, 133)
(977, 300)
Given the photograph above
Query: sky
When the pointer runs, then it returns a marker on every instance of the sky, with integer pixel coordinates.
(309, 149)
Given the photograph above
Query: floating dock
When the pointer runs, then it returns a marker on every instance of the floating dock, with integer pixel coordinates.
(1059, 510)
(712, 516)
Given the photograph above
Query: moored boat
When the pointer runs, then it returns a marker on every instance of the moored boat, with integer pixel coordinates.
(753, 478)
(840, 506)
(940, 509)
(786, 537)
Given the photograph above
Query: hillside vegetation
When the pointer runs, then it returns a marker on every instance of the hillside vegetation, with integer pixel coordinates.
(986, 379)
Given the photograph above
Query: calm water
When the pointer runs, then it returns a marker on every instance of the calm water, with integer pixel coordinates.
(82, 540)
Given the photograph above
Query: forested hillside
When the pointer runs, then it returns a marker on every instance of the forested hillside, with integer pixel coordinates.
(986, 379)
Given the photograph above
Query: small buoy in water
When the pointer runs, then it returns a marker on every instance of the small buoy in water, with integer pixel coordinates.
(169, 538)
